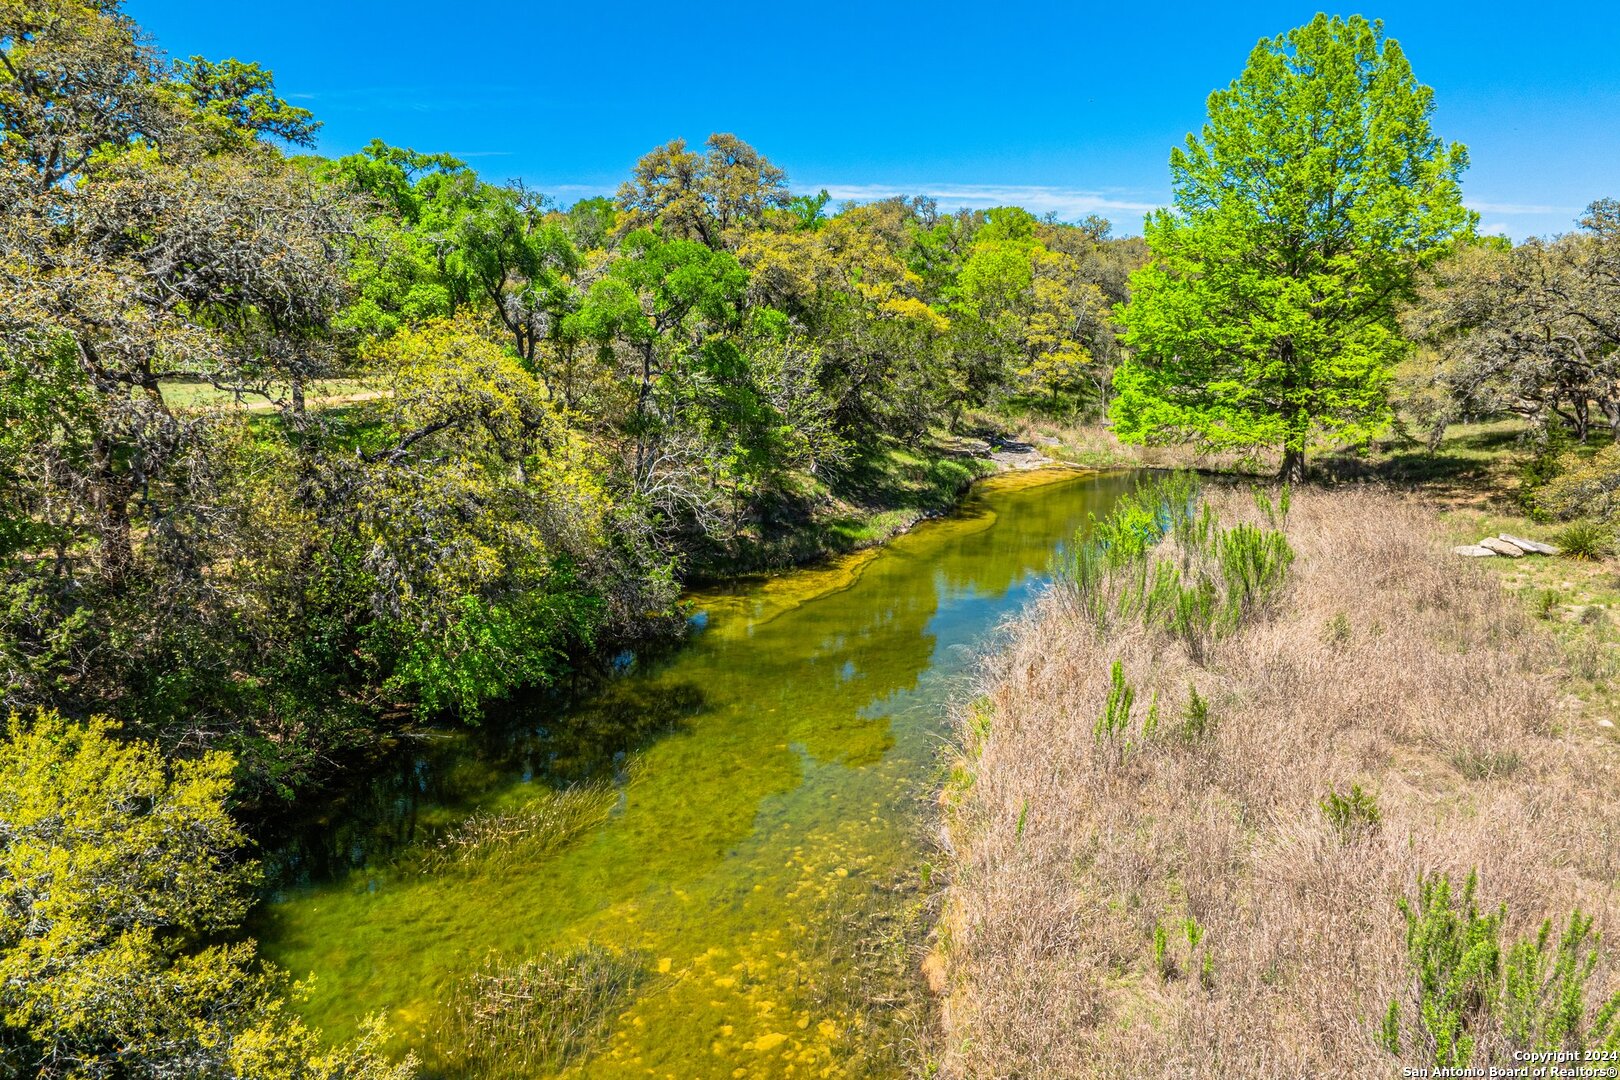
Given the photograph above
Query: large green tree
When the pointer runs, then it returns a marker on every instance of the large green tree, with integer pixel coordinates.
(1303, 210)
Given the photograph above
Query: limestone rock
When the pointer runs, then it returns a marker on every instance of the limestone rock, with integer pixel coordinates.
(1530, 547)
(1502, 547)
(1472, 551)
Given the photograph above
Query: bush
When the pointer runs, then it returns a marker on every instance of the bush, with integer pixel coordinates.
(1464, 987)
(1589, 486)
(1545, 466)
(1196, 721)
(1586, 540)
(1352, 816)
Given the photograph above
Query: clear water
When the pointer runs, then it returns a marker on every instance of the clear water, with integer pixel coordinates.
(774, 773)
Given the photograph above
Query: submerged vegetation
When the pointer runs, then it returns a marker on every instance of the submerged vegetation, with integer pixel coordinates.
(533, 1017)
(539, 827)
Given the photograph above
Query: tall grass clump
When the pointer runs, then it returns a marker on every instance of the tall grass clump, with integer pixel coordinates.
(1208, 579)
(1585, 540)
(538, 828)
(534, 1017)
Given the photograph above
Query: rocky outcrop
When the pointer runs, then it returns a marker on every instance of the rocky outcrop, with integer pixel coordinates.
(1506, 545)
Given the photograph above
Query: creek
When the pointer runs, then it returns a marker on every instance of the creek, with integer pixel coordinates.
(764, 851)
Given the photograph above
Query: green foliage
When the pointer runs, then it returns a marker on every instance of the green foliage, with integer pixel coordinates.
(116, 866)
(1337, 633)
(1532, 996)
(1527, 330)
(238, 101)
(1218, 578)
(1544, 991)
(1583, 486)
(1116, 716)
(1116, 730)
(1166, 963)
(1354, 816)
(1163, 962)
(1455, 955)
(1252, 325)
(1545, 464)
(1389, 1034)
(1586, 540)
(1547, 603)
(1196, 721)
(549, 414)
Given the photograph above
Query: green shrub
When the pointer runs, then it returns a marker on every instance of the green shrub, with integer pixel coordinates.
(1352, 816)
(1534, 995)
(1585, 540)
(1337, 633)
(1116, 716)
(1544, 467)
(1114, 727)
(1584, 487)
(1196, 722)
(1163, 962)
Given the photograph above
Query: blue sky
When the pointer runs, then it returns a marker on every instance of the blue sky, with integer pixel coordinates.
(1064, 107)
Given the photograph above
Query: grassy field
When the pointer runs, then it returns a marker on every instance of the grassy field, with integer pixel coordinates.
(1205, 905)
(320, 393)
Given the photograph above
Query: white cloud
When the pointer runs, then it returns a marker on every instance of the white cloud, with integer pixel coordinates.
(1497, 228)
(1067, 203)
(1520, 208)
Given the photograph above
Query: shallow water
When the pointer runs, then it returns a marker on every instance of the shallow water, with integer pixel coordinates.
(773, 775)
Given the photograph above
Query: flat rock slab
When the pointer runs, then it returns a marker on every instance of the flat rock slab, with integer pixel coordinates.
(1502, 547)
(1473, 551)
(1532, 547)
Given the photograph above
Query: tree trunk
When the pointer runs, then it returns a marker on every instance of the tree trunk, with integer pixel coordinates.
(1293, 466)
(110, 497)
(1293, 461)
(1611, 413)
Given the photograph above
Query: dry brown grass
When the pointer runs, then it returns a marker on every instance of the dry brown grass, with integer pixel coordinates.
(1094, 445)
(1387, 664)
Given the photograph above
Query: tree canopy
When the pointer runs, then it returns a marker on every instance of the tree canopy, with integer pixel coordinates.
(115, 868)
(1303, 211)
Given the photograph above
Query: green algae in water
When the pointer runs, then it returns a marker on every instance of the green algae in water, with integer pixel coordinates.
(781, 764)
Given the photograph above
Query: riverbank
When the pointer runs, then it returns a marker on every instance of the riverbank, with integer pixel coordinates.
(1226, 899)
(744, 846)
(882, 494)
